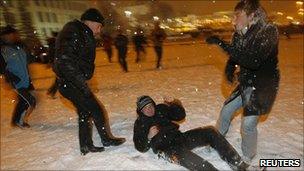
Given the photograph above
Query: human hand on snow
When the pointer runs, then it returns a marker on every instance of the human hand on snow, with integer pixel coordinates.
(213, 40)
(168, 99)
(153, 131)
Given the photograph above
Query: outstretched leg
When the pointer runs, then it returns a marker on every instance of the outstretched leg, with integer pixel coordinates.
(187, 159)
(210, 136)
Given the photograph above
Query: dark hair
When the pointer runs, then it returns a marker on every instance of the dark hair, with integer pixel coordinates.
(249, 6)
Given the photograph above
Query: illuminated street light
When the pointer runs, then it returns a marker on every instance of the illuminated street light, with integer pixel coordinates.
(128, 13)
(301, 13)
(299, 3)
(280, 13)
(301, 10)
(155, 18)
(289, 18)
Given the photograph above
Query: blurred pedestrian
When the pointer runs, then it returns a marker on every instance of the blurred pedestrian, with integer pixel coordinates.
(158, 37)
(74, 65)
(139, 41)
(121, 44)
(254, 48)
(16, 72)
(107, 45)
(51, 55)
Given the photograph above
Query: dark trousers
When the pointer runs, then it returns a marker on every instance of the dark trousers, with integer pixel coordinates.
(88, 109)
(138, 50)
(109, 54)
(182, 154)
(159, 53)
(54, 87)
(122, 55)
(26, 103)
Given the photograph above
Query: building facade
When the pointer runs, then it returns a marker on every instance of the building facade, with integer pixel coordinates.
(46, 16)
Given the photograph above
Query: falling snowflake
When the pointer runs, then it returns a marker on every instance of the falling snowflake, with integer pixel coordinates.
(13, 101)
(209, 83)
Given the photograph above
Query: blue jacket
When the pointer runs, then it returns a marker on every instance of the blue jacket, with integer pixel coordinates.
(16, 63)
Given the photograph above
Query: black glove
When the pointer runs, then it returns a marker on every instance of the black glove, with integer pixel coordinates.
(12, 77)
(213, 40)
(229, 71)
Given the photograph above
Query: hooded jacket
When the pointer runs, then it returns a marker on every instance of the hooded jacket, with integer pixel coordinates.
(256, 53)
(164, 118)
(75, 54)
(15, 63)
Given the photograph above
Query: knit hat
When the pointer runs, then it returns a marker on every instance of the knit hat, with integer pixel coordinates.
(92, 14)
(142, 101)
(7, 30)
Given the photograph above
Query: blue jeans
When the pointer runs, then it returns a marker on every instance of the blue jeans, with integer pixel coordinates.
(248, 126)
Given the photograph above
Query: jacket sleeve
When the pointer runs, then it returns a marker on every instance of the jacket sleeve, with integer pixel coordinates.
(67, 57)
(252, 57)
(140, 136)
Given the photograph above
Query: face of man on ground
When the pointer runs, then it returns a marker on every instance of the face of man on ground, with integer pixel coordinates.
(95, 27)
(11, 38)
(241, 20)
(149, 110)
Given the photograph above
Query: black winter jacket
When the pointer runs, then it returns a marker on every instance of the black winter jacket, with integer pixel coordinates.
(75, 54)
(168, 130)
(257, 55)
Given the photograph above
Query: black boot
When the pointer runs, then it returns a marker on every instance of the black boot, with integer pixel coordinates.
(86, 149)
(85, 135)
(112, 141)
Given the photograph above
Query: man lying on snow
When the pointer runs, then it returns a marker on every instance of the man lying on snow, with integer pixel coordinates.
(155, 128)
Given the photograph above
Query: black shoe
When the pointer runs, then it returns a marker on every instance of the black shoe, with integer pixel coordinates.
(240, 167)
(113, 142)
(21, 125)
(86, 149)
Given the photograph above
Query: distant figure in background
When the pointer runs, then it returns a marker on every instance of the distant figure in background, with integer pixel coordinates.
(139, 41)
(74, 65)
(107, 45)
(51, 55)
(16, 72)
(254, 48)
(121, 44)
(158, 37)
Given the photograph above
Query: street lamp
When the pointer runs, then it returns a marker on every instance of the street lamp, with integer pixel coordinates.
(128, 14)
(299, 3)
(155, 18)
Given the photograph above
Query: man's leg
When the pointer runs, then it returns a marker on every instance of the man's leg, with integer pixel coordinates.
(210, 136)
(224, 120)
(91, 106)
(187, 159)
(249, 136)
(26, 103)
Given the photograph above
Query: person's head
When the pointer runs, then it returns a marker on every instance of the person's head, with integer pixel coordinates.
(94, 20)
(54, 33)
(244, 13)
(9, 34)
(146, 105)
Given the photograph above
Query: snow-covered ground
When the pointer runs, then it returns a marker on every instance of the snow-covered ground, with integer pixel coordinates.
(192, 73)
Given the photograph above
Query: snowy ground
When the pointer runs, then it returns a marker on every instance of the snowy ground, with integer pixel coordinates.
(192, 72)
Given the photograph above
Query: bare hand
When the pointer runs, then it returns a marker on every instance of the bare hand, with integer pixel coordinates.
(168, 99)
(153, 131)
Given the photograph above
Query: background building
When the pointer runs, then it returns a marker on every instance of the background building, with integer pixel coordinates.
(39, 18)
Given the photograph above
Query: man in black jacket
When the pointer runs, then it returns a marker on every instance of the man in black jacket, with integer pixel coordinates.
(254, 49)
(73, 65)
(156, 127)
